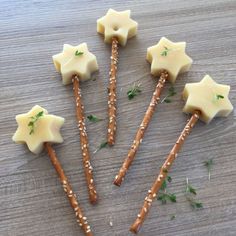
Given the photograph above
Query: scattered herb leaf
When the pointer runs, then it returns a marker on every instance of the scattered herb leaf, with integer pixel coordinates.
(34, 119)
(102, 145)
(190, 191)
(172, 217)
(194, 204)
(169, 179)
(93, 118)
(134, 91)
(209, 165)
(78, 53)
(165, 170)
(189, 188)
(167, 100)
(171, 93)
(164, 197)
(164, 185)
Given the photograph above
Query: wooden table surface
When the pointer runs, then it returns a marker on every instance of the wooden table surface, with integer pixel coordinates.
(32, 201)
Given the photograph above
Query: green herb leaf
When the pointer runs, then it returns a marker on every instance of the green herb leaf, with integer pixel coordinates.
(134, 91)
(164, 185)
(172, 197)
(171, 93)
(172, 217)
(31, 123)
(190, 189)
(164, 197)
(165, 170)
(39, 114)
(165, 51)
(78, 53)
(93, 118)
(197, 205)
(102, 145)
(218, 96)
(209, 165)
(34, 119)
(188, 194)
(167, 100)
(169, 179)
(194, 204)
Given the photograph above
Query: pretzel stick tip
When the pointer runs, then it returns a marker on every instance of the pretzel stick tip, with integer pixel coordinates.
(152, 193)
(111, 130)
(141, 130)
(88, 169)
(81, 219)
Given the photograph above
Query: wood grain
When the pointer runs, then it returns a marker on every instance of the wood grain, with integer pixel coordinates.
(32, 201)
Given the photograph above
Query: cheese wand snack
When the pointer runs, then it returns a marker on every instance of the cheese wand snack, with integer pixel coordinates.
(77, 64)
(167, 60)
(117, 28)
(204, 100)
(39, 130)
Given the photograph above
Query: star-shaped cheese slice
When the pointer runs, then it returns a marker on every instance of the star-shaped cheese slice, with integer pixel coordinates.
(117, 24)
(75, 60)
(169, 56)
(46, 129)
(210, 98)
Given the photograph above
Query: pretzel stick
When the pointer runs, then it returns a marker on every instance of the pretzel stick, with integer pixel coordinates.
(84, 141)
(111, 131)
(140, 133)
(152, 193)
(81, 219)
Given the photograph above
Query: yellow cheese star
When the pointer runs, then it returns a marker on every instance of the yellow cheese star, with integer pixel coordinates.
(45, 128)
(117, 24)
(169, 56)
(75, 60)
(208, 97)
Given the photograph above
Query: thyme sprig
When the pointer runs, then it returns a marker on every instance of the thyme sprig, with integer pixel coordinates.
(134, 91)
(189, 192)
(171, 93)
(102, 145)
(93, 118)
(208, 164)
(33, 120)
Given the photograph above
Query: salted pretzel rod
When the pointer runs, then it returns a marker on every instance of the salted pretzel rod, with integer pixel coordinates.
(81, 219)
(84, 140)
(117, 27)
(111, 131)
(152, 193)
(141, 130)
(167, 60)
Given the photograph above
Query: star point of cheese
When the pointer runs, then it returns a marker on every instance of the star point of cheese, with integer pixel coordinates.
(209, 97)
(70, 64)
(46, 129)
(169, 56)
(117, 24)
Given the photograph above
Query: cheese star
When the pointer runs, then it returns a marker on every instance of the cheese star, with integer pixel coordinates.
(208, 97)
(169, 56)
(75, 60)
(117, 24)
(46, 129)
